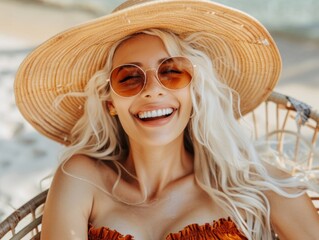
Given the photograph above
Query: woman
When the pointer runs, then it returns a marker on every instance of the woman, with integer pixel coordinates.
(154, 148)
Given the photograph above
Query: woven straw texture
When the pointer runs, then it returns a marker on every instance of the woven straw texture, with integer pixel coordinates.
(68, 60)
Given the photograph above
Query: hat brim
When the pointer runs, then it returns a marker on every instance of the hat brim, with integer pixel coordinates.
(68, 60)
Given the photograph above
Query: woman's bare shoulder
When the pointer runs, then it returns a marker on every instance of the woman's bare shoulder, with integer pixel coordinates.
(71, 176)
(293, 218)
(81, 165)
(85, 174)
(70, 197)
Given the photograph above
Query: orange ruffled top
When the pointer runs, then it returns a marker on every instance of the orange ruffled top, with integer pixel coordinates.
(223, 229)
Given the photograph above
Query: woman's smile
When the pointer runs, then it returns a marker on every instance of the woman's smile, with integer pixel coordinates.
(155, 114)
(156, 118)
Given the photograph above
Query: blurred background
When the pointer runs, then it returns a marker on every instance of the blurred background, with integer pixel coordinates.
(27, 158)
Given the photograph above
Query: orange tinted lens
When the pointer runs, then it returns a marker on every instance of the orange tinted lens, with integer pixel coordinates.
(175, 72)
(127, 80)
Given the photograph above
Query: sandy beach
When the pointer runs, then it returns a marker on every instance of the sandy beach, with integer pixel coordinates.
(26, 157)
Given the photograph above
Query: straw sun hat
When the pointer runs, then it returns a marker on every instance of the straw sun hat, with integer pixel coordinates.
(67, 61)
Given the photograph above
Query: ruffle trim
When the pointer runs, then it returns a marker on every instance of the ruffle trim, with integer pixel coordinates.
(104, 233)
(222, 229)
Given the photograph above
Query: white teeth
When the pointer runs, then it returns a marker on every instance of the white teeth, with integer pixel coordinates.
(155, 113)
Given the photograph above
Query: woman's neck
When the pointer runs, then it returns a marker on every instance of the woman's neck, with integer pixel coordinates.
(156, 167)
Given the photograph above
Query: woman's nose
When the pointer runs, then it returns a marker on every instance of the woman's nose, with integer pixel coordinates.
(152, 87)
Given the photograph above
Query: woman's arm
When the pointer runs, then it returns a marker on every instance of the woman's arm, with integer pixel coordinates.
(293, 218)
(68, 206)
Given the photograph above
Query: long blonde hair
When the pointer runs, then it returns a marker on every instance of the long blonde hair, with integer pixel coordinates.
(226, 164)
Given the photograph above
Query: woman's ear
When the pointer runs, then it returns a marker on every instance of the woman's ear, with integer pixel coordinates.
(111, 108)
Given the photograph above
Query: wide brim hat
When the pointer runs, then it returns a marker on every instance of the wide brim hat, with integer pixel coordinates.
(66, 62)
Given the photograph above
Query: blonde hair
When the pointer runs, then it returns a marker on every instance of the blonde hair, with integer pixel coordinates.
(226, 164)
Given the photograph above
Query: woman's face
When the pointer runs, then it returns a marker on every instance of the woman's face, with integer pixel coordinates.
(147, 52)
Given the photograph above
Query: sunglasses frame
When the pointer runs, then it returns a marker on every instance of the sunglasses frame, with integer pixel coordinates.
(156, 75)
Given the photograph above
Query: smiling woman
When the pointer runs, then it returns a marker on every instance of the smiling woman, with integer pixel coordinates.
(147, 101)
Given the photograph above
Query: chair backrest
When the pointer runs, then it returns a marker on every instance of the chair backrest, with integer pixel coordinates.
(292, 127)
(272, 116)
(25, 222)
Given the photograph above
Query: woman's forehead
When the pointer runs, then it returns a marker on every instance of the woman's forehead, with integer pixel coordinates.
(140, 48)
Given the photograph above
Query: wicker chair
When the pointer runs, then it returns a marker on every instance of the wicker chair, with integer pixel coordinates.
(25, 222)
(277, 115)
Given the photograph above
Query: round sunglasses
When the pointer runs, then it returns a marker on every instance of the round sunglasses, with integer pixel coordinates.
(173, 73)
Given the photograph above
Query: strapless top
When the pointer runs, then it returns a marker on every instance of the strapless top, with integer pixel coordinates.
(223, 229)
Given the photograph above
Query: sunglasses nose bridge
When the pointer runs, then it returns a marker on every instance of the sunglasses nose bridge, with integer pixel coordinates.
(154, 71)
(148, 70)
(152, 84)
